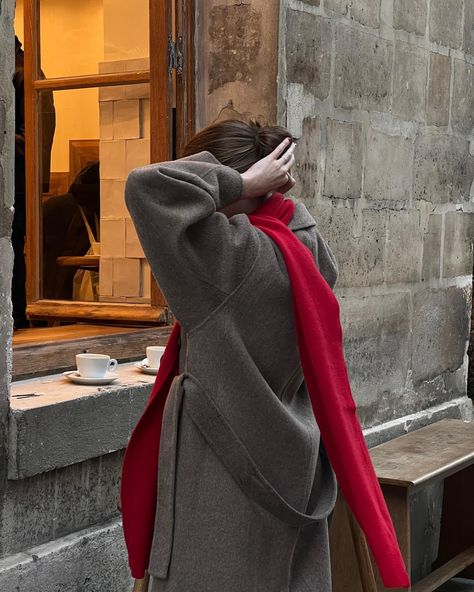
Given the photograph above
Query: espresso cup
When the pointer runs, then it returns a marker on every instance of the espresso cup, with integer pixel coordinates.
(153, 354)
(94, 365)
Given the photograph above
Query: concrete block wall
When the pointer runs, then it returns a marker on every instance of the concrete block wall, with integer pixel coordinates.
(380, 94)
(124, 123)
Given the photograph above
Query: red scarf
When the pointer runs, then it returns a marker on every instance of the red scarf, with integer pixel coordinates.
(319, 336)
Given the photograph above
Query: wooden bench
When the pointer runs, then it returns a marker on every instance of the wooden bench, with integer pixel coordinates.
(442, 451)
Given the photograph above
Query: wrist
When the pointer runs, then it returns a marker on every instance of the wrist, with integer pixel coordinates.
(248, 186)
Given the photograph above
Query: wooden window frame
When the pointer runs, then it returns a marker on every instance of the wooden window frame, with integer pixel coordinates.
(167, 90)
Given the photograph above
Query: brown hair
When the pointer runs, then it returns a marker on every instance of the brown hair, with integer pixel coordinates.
(236, 143)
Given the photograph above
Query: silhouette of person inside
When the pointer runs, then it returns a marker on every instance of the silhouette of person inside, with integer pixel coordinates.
(64, 231)
(47, 123)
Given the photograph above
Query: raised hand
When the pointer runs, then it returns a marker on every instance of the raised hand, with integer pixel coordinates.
(271, 173)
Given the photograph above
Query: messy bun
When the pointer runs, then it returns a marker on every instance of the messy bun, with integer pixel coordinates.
(237, 144)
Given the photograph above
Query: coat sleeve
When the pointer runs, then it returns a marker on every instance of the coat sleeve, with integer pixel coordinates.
(322, 253)
(198, 256)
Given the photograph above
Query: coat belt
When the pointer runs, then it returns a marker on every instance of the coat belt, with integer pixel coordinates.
(228, 447)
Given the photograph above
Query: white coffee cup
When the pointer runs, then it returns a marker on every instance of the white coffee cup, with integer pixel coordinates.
(153, 354)
(94, 365)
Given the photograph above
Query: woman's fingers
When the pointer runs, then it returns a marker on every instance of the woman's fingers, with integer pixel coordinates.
(280, 149)
(284, 158)
(289, 163)
(269, 173)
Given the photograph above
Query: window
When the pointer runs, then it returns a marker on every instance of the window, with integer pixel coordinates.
(101, 97)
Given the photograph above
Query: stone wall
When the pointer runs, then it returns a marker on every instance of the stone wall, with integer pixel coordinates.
(380, 93)
(6, 215)
(236, 60)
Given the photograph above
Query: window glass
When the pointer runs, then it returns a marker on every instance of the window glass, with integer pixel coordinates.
(90, 36)
(90, 140)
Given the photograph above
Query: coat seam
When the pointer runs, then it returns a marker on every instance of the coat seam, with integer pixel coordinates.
(215, 310)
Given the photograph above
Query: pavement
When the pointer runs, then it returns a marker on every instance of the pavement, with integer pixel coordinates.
(457, 585)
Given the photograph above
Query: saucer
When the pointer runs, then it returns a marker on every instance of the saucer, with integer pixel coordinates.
(145, 368)
(75, 377)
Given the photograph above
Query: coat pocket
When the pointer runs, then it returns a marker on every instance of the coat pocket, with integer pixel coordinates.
(233, 454)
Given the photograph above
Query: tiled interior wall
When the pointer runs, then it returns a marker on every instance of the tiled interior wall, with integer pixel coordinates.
(124, 122)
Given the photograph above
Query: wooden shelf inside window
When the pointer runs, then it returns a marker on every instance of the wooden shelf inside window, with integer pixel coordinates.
(100, 312)
(47, 350)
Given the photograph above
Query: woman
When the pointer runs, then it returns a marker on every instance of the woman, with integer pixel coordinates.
(244, 486)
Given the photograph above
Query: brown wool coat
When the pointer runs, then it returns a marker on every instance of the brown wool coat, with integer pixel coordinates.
(244, 485)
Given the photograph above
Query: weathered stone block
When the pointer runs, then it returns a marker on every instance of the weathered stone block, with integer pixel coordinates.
(363, 76)
(340, 6)
(458, 237)
(453, 409)
(312, 2)
(92, 426)
(367, 12)
(441, 319)
(432, 248)
(468, 41)
(410, 15)
(309, 53)
(71, 564)
(6, 215)
(3, 118)
(307, 154)
(446, 22)
(377, 345)
(96, 502)
(462, 111)
(39, 509)
(389, 167)
(437, 103)
(409, 82)
(404, 247)
(343, 175)
(6, 325)
(28, 507)
(360, 259)
(443, 168)
(235, 42)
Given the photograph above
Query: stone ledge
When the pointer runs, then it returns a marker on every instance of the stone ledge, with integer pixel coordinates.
(54, 423)
(91, 559)
(64, 424)
(461, 408)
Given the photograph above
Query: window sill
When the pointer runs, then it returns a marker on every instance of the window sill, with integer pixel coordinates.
(47, 350)
(54, 423)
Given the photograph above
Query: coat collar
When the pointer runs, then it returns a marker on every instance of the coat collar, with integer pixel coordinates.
(302, 219)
